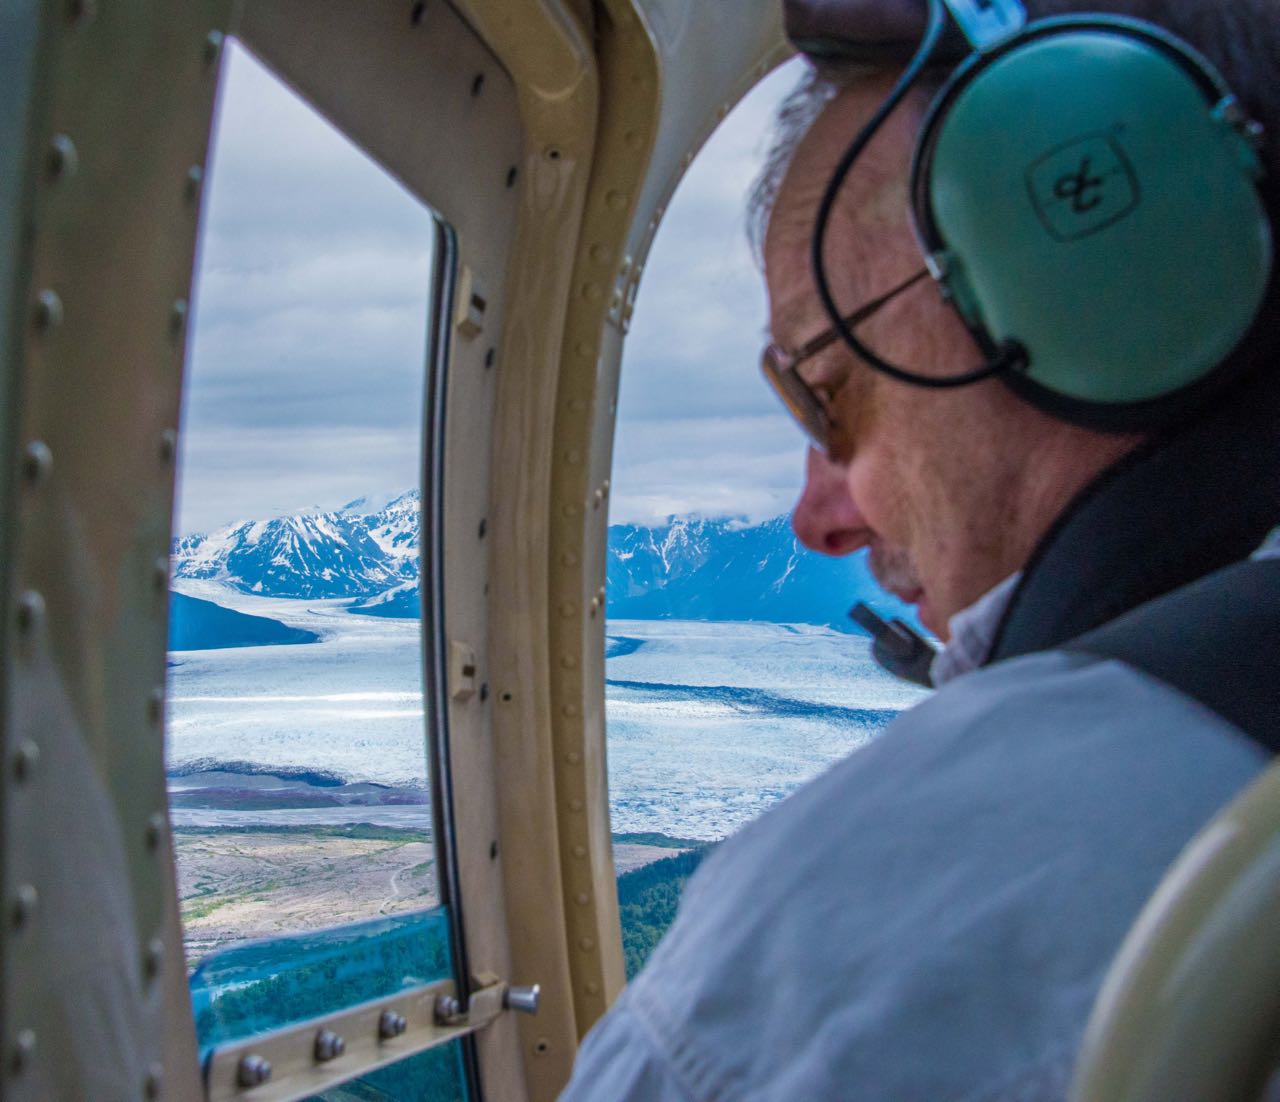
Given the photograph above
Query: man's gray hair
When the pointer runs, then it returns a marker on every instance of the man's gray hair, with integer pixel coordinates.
(1240, 37)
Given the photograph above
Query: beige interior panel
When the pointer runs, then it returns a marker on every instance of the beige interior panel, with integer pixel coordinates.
(1190, 1009)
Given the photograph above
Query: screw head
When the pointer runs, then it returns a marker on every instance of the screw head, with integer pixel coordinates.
(168, 445)
(253, 1070)
(155, 830)
(329, 1045)
(63, 158)
(153, 959)
(391, 1025)
(24, 1049)
(49, 312)
(178, 317)
(37, 462)
(195, 181)
(30, 611)
(25, 759)
(212, 48)
(25, 900)
(447, 1008)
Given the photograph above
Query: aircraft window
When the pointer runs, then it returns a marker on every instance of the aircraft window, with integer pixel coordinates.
(733, 673)
(296, 746)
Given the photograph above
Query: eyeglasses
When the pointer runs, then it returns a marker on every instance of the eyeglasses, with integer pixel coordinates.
(810, 405)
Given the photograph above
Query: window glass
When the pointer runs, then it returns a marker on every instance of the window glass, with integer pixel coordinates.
(296, 743)
(733, 673)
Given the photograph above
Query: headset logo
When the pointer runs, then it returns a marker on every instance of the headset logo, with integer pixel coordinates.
(1083, 186)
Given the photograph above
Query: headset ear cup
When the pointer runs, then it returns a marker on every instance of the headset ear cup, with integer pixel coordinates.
(1079, 192)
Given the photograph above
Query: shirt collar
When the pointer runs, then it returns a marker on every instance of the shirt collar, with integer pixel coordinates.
(973, 630)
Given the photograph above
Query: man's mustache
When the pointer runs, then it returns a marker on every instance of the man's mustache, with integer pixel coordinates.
(893, 569)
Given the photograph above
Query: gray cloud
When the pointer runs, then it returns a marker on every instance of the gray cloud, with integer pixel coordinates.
(305, 370)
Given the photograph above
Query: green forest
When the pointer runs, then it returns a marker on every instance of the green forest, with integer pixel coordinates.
(647, 902)
(262, 986)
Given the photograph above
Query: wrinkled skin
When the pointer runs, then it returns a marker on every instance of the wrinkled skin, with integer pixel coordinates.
(949, 489)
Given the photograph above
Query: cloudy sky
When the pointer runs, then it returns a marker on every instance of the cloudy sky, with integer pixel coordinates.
(305, 369)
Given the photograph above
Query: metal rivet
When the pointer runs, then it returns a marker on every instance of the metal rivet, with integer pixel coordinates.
(160, 573)
(573, 757)
(586, 944)
(212, 48)
(568, 610)
(153, 962)
(615, 200)
(25, 900)
(25, 759)
(484, 691)
(575, 804)
(569, 559)
(506, 698)
(598, 252)
(511, 176)
(583, 899)
(195, 180)
(168, 445)
(579, 852)
(253, 1070)
(151, 1085)
(329, 1045)
(477, 84)
(391, 1024)
(178, 317)
(571, 509)
(484, 527)
(570, 710)
(595, 605)
(31, 611)
(49, 312)
(447, 1007)
(419, 10)
(493, 851)
(24, 1049)
(489, 357)
(604, 487)
(63, 158)
(592, 292)
(569, 662)
(155, 830)
(600, 593)
(541, 1046)
(583, 349)
(573, 457)
(37, 462)
(632, 139)
(597, 499)
(552, 153)
(593, 988)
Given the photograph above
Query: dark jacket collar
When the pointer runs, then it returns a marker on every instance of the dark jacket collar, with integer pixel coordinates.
(1186, 503)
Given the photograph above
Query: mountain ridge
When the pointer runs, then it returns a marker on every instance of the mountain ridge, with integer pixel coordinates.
(688, 568)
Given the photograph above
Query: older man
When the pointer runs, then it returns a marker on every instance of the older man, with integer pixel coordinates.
(932, 918)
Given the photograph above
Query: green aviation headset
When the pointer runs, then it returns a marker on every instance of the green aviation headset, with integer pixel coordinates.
(1084, 190)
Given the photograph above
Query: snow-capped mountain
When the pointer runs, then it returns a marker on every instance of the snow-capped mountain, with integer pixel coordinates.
(345, 553)
(694, 569)
(687, 569)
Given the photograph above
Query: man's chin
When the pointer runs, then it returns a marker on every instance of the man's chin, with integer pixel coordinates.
(933, 622)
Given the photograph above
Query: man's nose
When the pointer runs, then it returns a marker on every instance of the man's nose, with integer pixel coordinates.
(826, 518)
